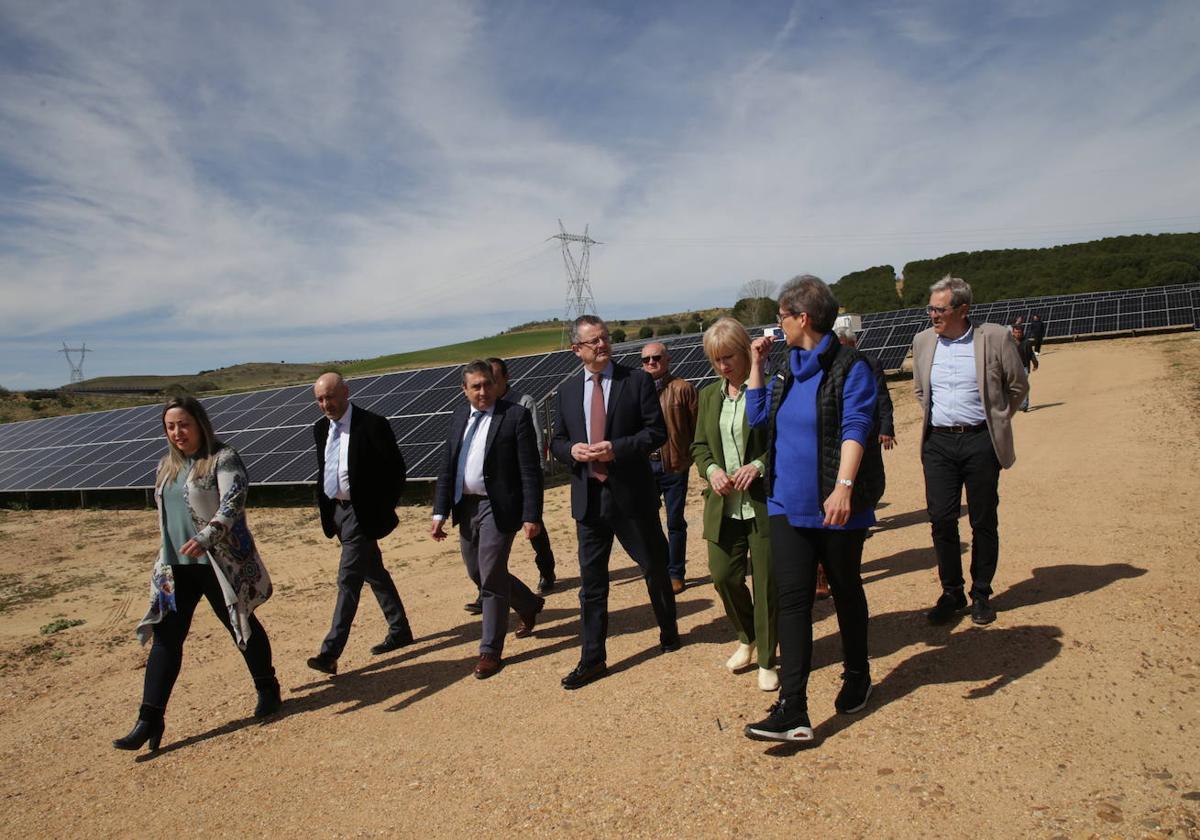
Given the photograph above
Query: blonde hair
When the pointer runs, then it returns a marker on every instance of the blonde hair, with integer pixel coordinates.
(726, 337)
(174, 460)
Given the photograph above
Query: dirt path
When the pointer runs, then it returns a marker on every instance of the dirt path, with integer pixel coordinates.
(1074, 715)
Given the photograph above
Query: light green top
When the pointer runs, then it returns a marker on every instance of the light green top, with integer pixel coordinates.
(733, 435)
(177, 521)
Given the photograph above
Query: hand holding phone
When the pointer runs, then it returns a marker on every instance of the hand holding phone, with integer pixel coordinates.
(773, 332)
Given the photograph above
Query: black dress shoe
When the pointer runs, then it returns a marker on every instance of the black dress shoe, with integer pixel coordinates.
(546, 584)
(393, 642)
(670, 645)
(584, 674)
(475, 607)
(982, 612)
(143, 731)
(324, 664)
(947, 607)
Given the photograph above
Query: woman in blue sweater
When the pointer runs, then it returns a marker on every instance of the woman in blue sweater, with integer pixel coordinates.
(824, 476)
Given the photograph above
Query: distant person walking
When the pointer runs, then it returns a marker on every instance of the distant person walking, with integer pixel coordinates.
(360, 476)
(1029, 359)
(673, 459)
(205, 551)
(969, 381)
(1037, 332)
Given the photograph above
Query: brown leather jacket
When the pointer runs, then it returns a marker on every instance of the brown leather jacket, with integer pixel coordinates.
(679, 406)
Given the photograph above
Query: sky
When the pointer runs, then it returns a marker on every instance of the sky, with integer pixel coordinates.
(188, 185)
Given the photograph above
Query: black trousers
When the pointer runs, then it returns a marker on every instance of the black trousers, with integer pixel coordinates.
(951, 462)
(361, 562)
(643, 539)
(795, 553)
(166, 653)
(543, 555)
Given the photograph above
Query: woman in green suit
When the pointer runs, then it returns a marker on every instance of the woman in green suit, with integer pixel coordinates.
(729, 457)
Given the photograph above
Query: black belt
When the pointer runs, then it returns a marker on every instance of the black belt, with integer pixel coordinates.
(958, 430)
(474, 497)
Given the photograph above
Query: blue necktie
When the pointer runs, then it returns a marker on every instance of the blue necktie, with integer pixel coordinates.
(460, 479)
(333, 452)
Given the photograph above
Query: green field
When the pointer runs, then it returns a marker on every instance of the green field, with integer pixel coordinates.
(505, 346)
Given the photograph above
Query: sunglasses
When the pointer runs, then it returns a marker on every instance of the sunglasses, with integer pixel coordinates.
(656, 359)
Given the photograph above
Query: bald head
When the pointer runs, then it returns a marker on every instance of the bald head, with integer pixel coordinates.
(333, 395)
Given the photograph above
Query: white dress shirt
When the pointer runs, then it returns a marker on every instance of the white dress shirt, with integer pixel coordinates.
(473, 469)
(341, 428)
(953, 385)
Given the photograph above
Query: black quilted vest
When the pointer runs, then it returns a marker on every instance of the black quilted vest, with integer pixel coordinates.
(836, 361)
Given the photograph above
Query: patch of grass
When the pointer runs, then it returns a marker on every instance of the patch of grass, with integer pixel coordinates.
(60, 624)
(505, 346)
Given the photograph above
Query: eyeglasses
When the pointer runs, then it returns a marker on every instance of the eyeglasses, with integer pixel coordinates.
(655, 358)
(939, 310)
(782, 315)
(598, 341)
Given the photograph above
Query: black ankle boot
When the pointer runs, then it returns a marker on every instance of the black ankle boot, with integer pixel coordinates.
(149, 728)
(269, 700)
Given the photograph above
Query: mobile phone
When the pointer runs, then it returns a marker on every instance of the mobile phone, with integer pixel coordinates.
(773, 332)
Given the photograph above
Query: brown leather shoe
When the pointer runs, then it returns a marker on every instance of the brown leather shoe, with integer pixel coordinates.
(528, 620)
(487, 665)
(677, 585)
(822, 584)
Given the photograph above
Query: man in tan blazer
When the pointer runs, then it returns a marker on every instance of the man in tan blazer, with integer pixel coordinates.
(969, 380)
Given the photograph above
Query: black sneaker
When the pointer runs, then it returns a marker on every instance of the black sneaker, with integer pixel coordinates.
(947, 607)
(856, 689)
(783, 723)
(982, 612)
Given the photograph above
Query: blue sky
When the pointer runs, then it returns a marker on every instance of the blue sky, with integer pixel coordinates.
(190, 185)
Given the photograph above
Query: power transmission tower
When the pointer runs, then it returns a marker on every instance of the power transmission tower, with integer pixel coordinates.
(76, 369)
(579, 286)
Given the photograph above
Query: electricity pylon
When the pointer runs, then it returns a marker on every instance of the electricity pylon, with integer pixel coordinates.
(579, 286)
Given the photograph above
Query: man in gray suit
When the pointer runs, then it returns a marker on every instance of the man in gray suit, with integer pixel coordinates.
(969, 380)
(491, 484)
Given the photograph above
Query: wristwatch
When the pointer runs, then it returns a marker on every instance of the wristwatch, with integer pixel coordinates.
(846, 481)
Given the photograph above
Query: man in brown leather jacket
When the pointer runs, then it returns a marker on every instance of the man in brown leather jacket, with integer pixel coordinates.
(673, 461)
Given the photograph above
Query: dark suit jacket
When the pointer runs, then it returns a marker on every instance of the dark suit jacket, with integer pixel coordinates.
(377, 474)
(635, 426)
(512, 470)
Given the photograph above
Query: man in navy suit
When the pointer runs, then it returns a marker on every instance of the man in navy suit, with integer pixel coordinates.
(491, 484)
(607, 424)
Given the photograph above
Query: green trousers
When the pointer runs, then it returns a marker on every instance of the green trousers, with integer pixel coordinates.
(740, 550)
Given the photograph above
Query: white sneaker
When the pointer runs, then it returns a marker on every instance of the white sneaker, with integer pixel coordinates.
(768, 680)
(741, 657)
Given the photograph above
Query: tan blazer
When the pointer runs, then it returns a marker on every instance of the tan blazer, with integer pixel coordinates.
(1002, 382)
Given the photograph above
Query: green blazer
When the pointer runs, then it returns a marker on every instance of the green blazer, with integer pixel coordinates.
(707, 450)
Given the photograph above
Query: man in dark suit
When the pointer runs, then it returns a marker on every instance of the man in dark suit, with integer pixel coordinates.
(360, 478)
(491, 484)
(607, 424)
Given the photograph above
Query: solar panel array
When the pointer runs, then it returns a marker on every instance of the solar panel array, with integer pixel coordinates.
(889, 334)
(119, 449)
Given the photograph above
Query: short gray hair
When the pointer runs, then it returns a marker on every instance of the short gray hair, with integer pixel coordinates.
(594, 320)
(807, 293)
(845, 334)
(959, 289)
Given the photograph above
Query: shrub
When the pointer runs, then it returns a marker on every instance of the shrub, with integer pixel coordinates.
(670, 329)
(618, 335)
(692, 326)
(646, 332)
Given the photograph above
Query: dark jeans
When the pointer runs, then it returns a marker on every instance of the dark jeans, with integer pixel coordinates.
(166, 653)
(952, 461)
(673, 489)
(361, 562)
(642, 538)
(795, 553)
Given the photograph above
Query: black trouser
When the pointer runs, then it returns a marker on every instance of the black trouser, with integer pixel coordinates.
(543, 555)
(795, 553)
(166, 654)
(643, 539)
(952, 461)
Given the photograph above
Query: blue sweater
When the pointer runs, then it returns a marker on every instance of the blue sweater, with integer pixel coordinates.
(797, 490)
